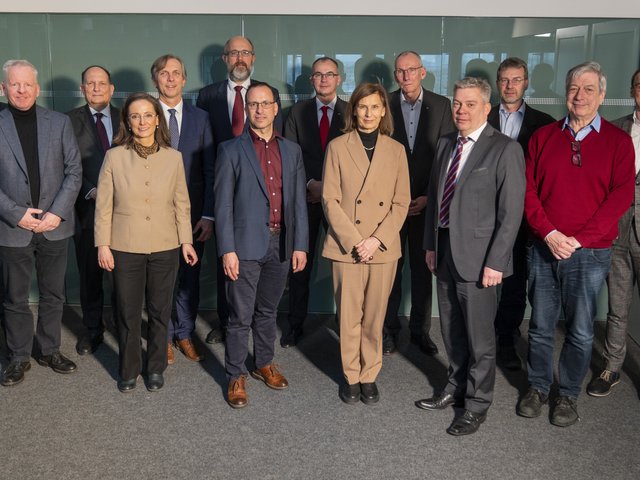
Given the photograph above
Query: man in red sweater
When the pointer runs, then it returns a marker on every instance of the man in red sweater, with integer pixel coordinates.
(580, 180)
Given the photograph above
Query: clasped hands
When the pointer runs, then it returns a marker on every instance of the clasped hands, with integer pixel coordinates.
(561, 246)
(47, 223)
(363, 251)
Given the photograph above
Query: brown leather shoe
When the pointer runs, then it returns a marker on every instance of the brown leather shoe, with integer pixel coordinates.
(236, 394)
(170, 357)
(271, 376)
(187, 347)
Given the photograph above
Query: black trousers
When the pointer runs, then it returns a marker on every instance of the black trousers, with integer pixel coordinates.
(467, 310)
(50, 259)
(253, 307)
(412, 234)
(91, 291)
(134, 275)
(299, 282)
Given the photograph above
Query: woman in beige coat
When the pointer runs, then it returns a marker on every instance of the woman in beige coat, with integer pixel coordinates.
(365, 196)
(142, 223)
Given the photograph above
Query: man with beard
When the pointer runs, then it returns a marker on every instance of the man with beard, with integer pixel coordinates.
(225, 103)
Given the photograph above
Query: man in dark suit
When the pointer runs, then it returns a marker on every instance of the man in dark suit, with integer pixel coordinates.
(312, 124)
(191, 135)
(420, 117)
(224, 101)
(261, 233)
(95, 124)
(625, 266)
(40, 176)
(517, 120)
(476, 197)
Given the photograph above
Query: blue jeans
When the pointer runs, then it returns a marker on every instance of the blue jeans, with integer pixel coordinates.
(570, 286)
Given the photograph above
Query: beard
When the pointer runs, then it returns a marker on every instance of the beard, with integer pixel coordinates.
(240, 72)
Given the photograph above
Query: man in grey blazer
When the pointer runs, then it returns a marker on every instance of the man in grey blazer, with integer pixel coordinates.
(625, 267)
(191, 136)
(477, 196)
(261, 233)
(95, 124)
(40, 176)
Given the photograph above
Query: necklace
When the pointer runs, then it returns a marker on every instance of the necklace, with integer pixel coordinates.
(368, 149)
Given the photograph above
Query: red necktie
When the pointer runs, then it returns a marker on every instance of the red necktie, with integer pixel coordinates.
(324, 127)
(237, 115)
(450, 183)
(102, 132)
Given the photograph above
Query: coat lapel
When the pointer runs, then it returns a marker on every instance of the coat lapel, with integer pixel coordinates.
(8, 127)
(357, 153)
(476, 154)
(250, 154)
(44, 135)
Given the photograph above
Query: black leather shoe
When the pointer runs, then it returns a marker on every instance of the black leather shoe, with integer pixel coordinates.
(291, 338)
(155, 381)
(89, 344)
(388, 344)
(216, 335)
(126, 386)
(57, 362)
(14, 373)
(426, 344)
(508, 358)
(369, 393)
(439, 402)
(349, 394)
(466, 424)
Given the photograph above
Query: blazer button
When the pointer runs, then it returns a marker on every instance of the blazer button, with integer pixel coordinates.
(146, 183)
(359, 202)
(357, 222)
(267, 224)
(381, 204)
(148, 218)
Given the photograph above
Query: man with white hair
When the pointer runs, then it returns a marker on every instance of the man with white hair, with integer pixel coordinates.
(40, 177)
(580, 180)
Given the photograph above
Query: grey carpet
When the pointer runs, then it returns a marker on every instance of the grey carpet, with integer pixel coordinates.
(79, 426)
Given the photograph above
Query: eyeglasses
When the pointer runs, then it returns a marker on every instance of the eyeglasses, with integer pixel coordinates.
(136, 117)
(576, 158)
(239, 53)
(513, 81)
(411, 71)
(265, 105)
(328, 75)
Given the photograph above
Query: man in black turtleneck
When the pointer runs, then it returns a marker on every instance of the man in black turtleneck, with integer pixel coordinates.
(40, 176)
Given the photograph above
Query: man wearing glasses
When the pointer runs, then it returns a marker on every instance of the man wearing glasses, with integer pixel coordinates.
(261, 233)
(580, 176)
(516, 119)
(420, 118)
(312, 124)
(625, 266)
(224, 101)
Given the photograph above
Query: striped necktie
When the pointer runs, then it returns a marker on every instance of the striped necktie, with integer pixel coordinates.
(450, 183)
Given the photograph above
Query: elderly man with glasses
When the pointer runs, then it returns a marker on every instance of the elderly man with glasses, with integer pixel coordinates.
(580, 180)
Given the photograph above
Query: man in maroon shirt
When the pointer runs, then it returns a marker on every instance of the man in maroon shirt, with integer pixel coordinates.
(580, 180)
(261, 234)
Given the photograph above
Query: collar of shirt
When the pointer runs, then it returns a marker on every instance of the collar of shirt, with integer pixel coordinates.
(417, 102)
(473, 136)
(231, 85)
(257, 138)
(331, 104)
(178, 108)
(503, 111)
(584, 131)
(106, 111)
(636, 120)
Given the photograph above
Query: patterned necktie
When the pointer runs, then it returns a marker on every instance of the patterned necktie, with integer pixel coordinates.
(173, 129)
(237, 115)
(324, 126)
(450, 183)
(102, 132)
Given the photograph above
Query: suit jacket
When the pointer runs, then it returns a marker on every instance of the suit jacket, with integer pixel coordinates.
(533, 119)
(242, 203)
(198, 155)
(60, 176)
(629, 223)
(142, 205)
(435, 120)
(487, 205)
(302, 128)
(92, 156)
(363, 199)
(213, 99)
